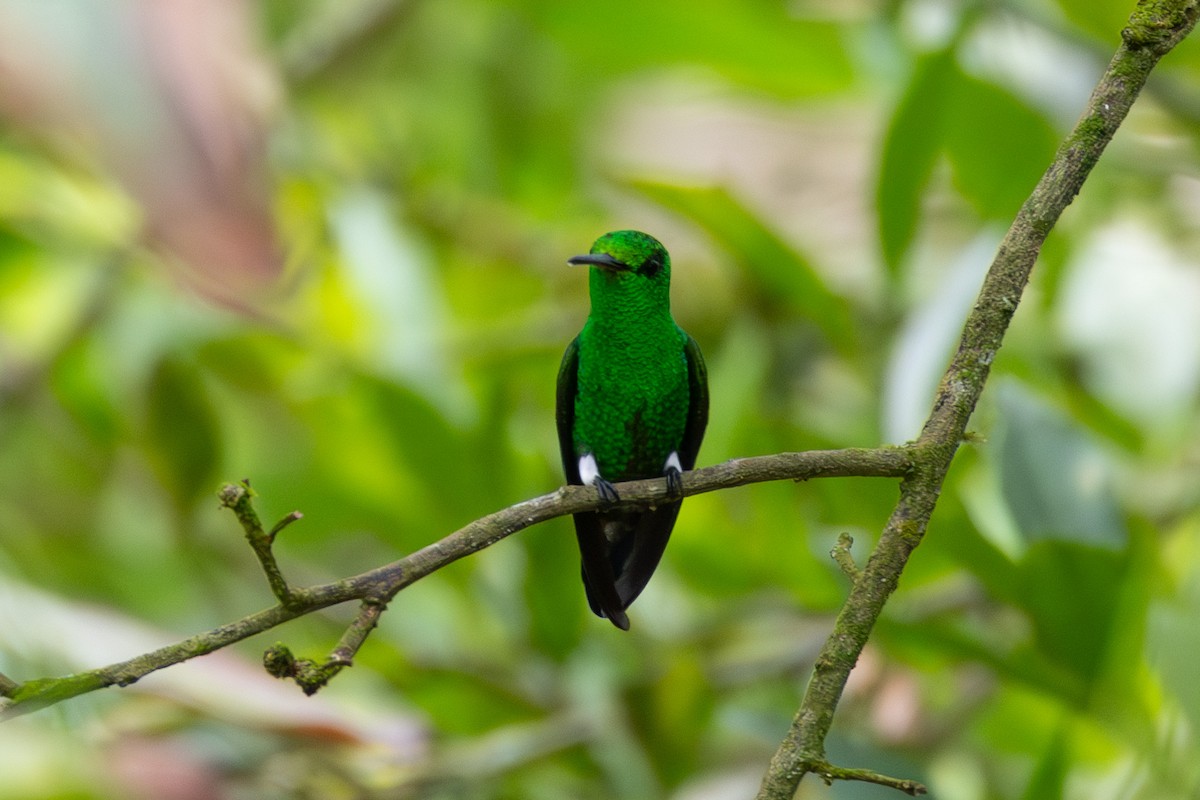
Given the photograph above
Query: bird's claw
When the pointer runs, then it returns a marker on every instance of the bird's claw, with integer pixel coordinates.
(608, 493)
(674, 483)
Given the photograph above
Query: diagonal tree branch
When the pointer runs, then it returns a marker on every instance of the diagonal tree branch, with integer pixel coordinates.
(378, 586)
(1155, 27)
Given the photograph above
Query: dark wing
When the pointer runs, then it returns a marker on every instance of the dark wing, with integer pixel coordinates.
(564, 409)
(604, 594)
(598, 578)
(697, 420)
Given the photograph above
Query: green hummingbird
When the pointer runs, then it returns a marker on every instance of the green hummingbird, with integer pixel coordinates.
(632, 403)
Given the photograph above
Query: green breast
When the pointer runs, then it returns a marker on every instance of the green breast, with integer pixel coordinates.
(631, 407)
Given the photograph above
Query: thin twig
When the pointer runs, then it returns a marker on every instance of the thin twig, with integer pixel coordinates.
(844, 558)
(237, 498)
(830, 773)
(283, 523)
(347, 647)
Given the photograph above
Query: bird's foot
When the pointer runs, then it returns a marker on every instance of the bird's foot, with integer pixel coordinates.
(674, 483)
(608, 493)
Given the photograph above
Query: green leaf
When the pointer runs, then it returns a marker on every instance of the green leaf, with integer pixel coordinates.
(976, 552)
(672, 711)
(83, 389)
(737, 370)
(772, 263)
(1173, 640)
(927, 639)
(761, 45)
(1100, 18)
(1072, 593)
(1055, 480)
(434, 451)
(1050, 775)
(997, 144)
(553, 589)
(910, 152)
(182, 431)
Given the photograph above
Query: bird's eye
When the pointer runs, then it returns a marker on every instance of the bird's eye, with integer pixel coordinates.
(651, 266)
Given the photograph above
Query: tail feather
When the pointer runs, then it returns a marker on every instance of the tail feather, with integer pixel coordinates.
(598, 579)
(636, 554)
(620, 553)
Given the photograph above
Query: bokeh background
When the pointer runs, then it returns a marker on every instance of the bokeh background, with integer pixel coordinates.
(321, 244)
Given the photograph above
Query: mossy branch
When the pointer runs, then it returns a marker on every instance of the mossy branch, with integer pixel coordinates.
(376, 587)
(1155, 27)
(844, 558)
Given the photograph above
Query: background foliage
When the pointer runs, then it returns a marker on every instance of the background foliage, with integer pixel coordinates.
(373, 339)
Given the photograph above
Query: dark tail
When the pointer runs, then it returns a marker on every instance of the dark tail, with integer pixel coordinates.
(620, 552)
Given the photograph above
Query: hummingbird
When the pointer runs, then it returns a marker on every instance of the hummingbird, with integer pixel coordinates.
(632, 403)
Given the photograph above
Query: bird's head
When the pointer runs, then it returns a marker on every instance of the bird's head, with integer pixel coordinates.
(629, 259)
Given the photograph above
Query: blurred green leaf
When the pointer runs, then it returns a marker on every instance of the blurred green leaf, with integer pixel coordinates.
(997, 144)
(1055, 480)
(760, 45)
(989, 645)
(182, 431)
(735, 372)
(436, 453)
(1048, 781)
(1100, 18)
(83, 389)
(1174, 648)
(1082, 579)
(1072, 593)
(673, 711)
(1173, 637)
(458, 702)
(766, 259)
(554, 592)
(251, 362)
(914, 139)
(977, 553)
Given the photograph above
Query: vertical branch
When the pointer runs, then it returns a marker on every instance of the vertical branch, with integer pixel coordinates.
(238, 499)
(1155, 27)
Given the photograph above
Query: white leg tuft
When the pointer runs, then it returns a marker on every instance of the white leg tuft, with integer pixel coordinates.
(588, 471)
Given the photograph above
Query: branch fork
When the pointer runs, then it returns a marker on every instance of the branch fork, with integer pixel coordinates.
(237, 497)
